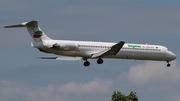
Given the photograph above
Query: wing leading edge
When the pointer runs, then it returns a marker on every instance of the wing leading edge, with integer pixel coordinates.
(110, 51)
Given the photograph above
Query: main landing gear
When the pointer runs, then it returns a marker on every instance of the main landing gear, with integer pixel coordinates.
(168, 65)
(100, 61)
(87, 63)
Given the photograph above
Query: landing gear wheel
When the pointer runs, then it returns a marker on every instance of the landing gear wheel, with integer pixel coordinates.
(168, 65)
(100, 61)
(86, 63)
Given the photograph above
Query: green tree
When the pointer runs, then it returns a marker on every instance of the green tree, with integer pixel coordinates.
(132, 96)
(118, 96)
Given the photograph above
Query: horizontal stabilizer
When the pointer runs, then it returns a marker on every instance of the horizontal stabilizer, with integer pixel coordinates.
(34, 30)
(18, 25)
(62, 58)
(32, 23)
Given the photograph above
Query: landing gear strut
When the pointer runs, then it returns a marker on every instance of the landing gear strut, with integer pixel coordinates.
(168, 65)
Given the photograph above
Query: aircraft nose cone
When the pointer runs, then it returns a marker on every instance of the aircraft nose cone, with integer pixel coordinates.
(172, 55)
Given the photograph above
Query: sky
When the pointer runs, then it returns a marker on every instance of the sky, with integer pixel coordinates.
(25, 78)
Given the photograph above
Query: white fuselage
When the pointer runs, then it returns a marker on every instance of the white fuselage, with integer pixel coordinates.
(85, 49)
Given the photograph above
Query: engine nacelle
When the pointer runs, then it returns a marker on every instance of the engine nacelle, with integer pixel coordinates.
(66, 46)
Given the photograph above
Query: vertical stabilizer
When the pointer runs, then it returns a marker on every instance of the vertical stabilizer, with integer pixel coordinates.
(34, 30)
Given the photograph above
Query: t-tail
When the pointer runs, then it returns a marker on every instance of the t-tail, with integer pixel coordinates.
(34, 30)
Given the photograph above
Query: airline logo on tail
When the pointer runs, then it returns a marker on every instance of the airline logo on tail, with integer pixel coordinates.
(37, 34)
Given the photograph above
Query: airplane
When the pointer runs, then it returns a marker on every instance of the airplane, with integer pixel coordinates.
(84, 50)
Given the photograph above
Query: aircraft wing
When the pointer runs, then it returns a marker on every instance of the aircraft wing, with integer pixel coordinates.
(61, 58)
(110, 51)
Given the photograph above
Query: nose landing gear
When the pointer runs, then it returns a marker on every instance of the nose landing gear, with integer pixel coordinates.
(168, 65)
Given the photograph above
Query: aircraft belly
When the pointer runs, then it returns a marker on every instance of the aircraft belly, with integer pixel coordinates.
(76, 53)
(137, 55)
(57, 52)
(123, 54)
